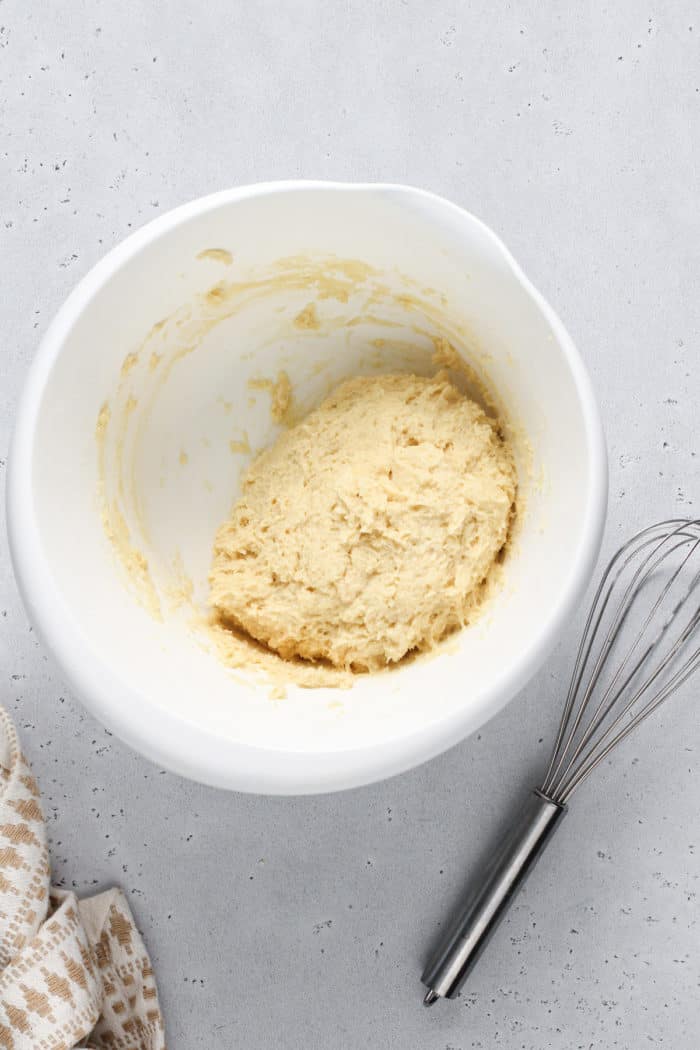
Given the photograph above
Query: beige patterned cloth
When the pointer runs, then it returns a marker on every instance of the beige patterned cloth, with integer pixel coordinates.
(72, 973)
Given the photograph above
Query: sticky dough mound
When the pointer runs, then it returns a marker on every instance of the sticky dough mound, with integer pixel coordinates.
(366, 530)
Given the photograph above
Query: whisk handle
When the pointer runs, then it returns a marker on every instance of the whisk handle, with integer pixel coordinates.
(488, 902)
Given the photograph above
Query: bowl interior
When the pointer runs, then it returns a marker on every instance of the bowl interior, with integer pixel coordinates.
(178, 333)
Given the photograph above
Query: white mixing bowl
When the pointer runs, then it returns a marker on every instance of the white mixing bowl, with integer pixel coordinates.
(144, 334)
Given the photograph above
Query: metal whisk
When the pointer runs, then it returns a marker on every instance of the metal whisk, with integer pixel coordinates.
(639, 645)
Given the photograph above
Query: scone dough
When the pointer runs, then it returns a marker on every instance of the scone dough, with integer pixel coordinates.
(366, 531)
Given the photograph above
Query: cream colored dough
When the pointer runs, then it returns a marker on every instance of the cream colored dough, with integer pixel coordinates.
(367, 530)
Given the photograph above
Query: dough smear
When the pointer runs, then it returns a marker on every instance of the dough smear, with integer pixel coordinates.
(367, 531)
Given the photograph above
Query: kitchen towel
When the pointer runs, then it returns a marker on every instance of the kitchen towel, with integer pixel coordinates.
(72, 972)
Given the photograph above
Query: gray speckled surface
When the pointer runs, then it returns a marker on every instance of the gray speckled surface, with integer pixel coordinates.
(303, 923)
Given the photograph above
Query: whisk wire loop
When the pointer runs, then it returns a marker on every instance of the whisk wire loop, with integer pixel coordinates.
(603, 708)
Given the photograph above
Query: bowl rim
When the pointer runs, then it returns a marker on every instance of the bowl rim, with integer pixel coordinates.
(198, 753)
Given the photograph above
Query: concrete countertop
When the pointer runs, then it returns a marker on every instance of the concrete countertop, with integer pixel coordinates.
(303, 923)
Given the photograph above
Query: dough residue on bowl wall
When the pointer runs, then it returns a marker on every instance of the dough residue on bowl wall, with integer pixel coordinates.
(332, 295)
(222, 255)
(280, 391)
